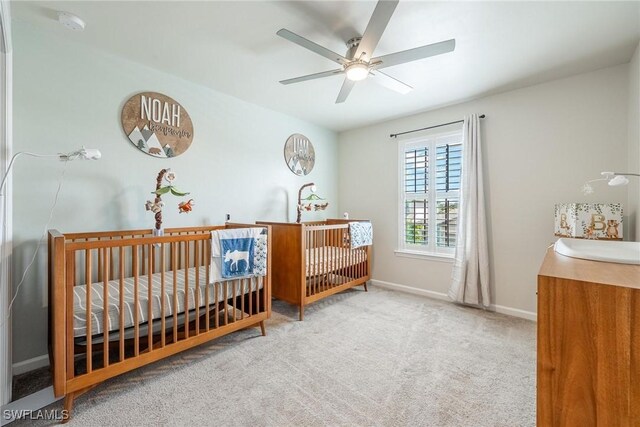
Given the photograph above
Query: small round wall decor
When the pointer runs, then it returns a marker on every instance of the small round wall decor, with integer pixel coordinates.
(157, 124)
(299, 154)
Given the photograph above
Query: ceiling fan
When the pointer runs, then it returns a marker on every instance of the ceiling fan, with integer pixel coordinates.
(359, 62)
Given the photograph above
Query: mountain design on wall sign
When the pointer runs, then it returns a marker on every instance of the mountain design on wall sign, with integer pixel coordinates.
(147, 141)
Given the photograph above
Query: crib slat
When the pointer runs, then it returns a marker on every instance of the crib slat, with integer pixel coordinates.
(69, 284)
(352, 262)
(99, 265)
(217, 304)
(142, 248)
(346, 256)
(87, 278)
(318, 265)
(196, 261)
(174, 258)
(163, 330)
(336, 253)
(111, 263)
(335, 262)
(206, 244)
(312, 263)
(330, 260)
(257, 300)
(105, 307)
(121, 302)
(356, 256)
(242, 295)
(226, 303)
(203, 260)
(340, 256)
(186, 289)
(334, 258)
(235, 298)
(327, 254)
(251, 293)
(136, 321)
(325, 249)
(323, 267)
(151, 253)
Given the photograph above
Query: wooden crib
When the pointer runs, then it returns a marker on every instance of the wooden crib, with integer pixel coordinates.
(120, 300)
(314, 260)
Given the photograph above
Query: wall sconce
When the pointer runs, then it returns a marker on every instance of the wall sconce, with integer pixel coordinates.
(82, 153)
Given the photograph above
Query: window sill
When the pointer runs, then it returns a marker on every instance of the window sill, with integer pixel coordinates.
(424, 255)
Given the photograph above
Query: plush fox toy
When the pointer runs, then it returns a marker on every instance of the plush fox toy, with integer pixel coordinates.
(186, 207)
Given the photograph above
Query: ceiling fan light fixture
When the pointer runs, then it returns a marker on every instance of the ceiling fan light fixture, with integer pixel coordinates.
(357, 71)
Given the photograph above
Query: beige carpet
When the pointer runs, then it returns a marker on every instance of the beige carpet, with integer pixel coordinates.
(379, 358)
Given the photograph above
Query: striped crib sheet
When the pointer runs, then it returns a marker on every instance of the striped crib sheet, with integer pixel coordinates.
(113, 319)
(326, 259)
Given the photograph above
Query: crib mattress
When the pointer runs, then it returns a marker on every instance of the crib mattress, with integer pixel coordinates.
(113, 319)
(326, 259)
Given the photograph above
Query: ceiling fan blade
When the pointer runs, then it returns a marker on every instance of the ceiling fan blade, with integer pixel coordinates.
(376, 26)
(345, 91)
(390, 82)
(312, 76)
(414, 54)
(314, 47)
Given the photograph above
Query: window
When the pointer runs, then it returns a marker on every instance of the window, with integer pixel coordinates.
(430, 178)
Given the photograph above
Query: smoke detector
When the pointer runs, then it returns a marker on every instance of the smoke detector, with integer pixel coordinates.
(71, 21)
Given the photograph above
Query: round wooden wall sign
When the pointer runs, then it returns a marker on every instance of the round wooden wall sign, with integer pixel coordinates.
(157, 124)
(299, 154)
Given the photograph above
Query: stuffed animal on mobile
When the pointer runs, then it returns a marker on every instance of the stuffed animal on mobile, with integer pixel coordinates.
(186, 207)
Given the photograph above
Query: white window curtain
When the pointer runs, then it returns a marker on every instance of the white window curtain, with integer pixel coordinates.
(470, 276)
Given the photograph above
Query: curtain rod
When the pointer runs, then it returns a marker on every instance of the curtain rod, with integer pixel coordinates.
(395, 135)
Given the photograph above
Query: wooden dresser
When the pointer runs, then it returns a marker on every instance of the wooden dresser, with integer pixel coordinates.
(588, 343)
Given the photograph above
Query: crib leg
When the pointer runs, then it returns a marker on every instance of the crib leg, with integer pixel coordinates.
(365, 287)
(69, 400)
(68, 406)
(301, 311)
(262, 328)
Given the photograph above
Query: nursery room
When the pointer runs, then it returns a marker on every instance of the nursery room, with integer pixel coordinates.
(320, 213)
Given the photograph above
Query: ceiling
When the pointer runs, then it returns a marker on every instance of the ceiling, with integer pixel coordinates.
(232, 47)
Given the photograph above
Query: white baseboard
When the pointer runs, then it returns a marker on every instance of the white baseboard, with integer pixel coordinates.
(444, 297)
(30, 364)
(31, 403)
(410, 290)
(515, 312)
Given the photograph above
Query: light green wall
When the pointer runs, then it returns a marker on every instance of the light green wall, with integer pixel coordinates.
(634, 145)
(67, 95)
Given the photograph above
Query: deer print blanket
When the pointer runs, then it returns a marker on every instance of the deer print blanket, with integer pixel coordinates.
(238, 253)
(361, 234)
